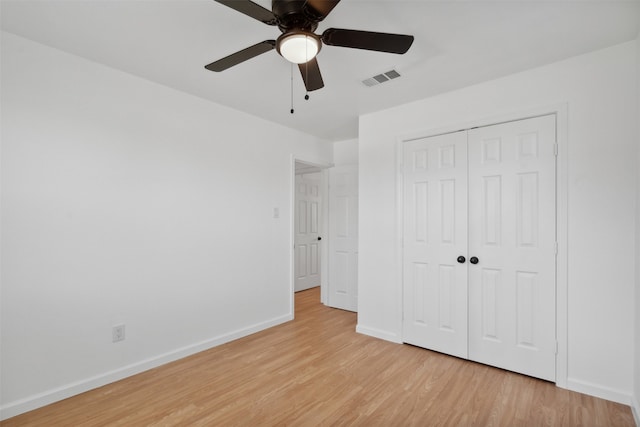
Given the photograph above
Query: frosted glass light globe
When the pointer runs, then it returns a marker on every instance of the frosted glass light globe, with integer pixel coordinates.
(299, 48)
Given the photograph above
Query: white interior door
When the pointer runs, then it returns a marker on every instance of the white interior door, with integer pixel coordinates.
(512, 232)
(434, 236)
(307, 238)
(343, 238)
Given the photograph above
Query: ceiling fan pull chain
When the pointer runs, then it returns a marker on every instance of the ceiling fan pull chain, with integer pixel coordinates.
(292, 88)
(306, 70)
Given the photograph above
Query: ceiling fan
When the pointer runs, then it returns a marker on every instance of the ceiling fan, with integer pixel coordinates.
(297, 20)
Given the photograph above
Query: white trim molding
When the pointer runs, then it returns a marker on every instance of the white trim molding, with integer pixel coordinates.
(635, 409)
(598, 390)
(379, 333)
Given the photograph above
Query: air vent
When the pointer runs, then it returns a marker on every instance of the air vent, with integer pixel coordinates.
(381, 78)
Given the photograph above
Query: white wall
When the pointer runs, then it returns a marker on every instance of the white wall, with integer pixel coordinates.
(602, 144)
(345, 152)
(127, 202)
(637, 293)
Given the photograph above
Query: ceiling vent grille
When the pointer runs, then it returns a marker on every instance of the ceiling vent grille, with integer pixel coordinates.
(381, 78)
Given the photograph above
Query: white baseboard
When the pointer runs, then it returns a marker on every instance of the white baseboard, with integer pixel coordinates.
(379, 333)
(635, 409)
(39, 400)
(600, 391)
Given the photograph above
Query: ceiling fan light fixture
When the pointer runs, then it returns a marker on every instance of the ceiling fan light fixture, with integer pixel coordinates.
(298, 47)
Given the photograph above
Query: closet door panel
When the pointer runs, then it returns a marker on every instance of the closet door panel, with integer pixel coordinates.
(512, 233)
(434, 236)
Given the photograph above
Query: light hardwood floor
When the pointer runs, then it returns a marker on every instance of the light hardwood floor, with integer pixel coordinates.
(316, 370)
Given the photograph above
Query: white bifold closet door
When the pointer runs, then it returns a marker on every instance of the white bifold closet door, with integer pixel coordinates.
(435, 235)
(480, 245)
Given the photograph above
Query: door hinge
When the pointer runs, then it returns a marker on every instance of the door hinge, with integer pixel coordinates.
(555, 149)
(556, 347)
(555, 248)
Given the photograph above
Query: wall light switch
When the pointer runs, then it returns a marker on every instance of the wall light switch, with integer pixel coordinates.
(276, 212)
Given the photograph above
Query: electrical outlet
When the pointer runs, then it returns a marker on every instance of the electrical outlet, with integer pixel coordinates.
(118, 333)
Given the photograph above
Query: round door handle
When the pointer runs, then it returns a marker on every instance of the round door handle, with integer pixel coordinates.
(461, 259)
(319, 238)
(473, 260)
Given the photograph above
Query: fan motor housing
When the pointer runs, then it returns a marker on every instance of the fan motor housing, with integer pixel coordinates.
(293, 15)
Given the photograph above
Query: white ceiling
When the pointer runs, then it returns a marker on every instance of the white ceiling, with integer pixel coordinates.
(457, 43)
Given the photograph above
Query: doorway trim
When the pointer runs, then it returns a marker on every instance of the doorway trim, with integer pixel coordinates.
(313, 166)
(562, 219)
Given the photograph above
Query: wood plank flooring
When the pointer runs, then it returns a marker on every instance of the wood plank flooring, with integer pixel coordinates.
(315, 371)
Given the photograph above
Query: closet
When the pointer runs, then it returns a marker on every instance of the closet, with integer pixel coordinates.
(479, 244)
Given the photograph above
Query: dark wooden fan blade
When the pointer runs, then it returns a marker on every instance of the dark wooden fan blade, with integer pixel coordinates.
(320, 8)
(241, 56)
(381, 42)
(251, 9)
(311, 75)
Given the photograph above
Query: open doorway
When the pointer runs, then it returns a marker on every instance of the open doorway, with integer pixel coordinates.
(309, 223)
(308, 237)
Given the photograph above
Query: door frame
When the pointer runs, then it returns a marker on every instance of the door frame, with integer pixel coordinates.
(324, 190)
(562, 220)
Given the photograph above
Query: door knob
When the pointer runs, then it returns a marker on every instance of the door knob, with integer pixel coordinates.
(473, 260)
(461, 259)
(319, 238)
